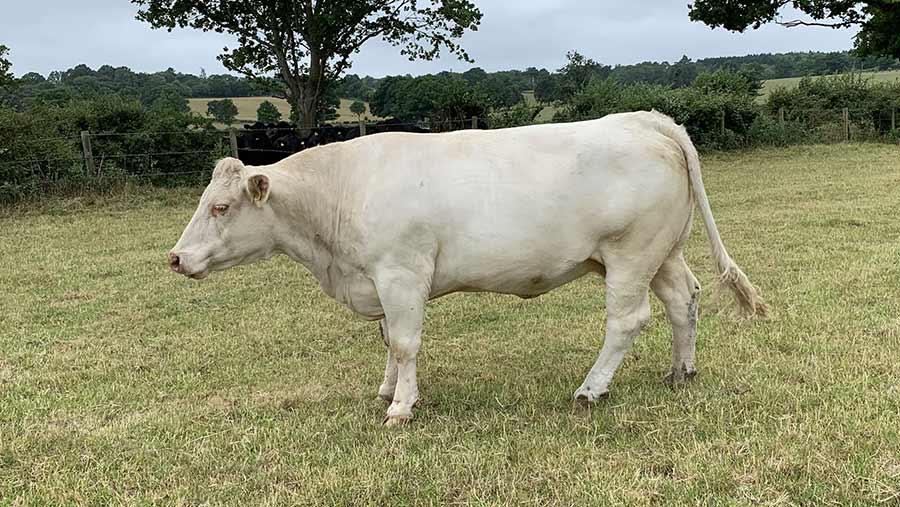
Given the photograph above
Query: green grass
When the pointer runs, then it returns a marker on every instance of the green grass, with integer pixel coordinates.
(790, 82)
(247, 107)
(121, 383)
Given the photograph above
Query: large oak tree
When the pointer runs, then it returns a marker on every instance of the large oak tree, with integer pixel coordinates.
(878, 20)
(307, 44)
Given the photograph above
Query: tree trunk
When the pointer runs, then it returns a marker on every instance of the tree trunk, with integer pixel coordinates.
(307, 106)
(311, 90)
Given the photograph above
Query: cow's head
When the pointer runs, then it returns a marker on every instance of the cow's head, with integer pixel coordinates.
(232, 225)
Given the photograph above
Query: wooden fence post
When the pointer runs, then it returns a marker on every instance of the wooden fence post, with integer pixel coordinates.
(232, 139)
(780, 115)
(846, 124)
(722, 118)
(88, 155)
(894, 119)
(362, 128)
(474, 122)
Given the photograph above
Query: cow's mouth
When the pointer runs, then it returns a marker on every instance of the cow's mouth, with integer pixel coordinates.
(200, 275)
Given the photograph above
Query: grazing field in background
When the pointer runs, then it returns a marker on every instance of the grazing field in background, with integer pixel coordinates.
(247, 107)
(790, 82)
(123, 383)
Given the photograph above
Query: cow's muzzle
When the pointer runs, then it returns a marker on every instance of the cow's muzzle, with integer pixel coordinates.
(175, 263)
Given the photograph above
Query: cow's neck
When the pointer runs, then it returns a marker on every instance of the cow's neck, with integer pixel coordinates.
(310, 208)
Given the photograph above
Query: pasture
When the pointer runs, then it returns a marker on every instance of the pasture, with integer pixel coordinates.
(247, 107)
(123, 383)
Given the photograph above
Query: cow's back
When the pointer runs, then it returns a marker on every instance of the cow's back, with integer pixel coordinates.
(519, 210)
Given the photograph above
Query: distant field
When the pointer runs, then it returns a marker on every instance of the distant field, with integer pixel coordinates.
(247, 107)
(790, 82)
(546, 114)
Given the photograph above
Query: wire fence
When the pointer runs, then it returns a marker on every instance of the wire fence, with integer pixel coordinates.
(185, 157)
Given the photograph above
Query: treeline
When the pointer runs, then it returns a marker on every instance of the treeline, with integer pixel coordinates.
(82, 82)
(502, 88)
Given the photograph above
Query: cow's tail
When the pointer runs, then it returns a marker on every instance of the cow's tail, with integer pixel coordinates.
(748, 297)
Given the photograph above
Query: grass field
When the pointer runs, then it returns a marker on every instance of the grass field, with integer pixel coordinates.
(546, 114)
(121, 383)
(790, 82)
(247, 107)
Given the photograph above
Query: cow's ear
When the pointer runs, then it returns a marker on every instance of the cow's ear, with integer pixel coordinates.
(258, 189)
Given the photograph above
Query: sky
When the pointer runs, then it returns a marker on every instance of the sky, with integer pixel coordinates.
(514, 34)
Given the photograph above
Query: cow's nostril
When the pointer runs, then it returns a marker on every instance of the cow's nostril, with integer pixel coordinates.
(174, 261)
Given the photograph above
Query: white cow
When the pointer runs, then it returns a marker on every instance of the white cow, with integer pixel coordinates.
(390, 221)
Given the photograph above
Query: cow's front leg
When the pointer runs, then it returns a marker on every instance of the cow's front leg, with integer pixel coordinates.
(403, 301)
(389, 384)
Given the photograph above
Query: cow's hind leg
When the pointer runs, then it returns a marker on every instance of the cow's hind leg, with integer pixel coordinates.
(679, 290)
(386, 390)
(627, 310)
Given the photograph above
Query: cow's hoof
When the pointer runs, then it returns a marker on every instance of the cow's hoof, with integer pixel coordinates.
(679, 375)
(586, 395)
(391, 421)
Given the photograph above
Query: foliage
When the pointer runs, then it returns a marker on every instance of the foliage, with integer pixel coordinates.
(308, 44)
(40, 150)
(358, 108)
(6, 76)
(877, 19)
(578, 72)
(456, 106)
(700, 108)
(766, 130)
(267, 112)
(223, 110)
(170, 99)
(722, 81)
(518, 115)
(354, 87)
(819, 100)
(82, 82)
(437, 98)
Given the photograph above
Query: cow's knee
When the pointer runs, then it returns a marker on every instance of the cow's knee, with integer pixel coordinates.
(630, 322)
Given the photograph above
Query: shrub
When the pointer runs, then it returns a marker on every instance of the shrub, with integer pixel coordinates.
(223, 110)
(515, 116)
(267, 112)
(41, 149)
(701, 110)
(767, 131)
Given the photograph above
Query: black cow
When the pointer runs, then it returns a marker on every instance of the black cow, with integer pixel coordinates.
(255, 147)
(395, 125)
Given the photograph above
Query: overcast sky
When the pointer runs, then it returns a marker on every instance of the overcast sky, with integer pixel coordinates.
(514, 34)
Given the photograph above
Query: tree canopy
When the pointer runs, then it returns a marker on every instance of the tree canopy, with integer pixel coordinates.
(358, 108)
(6, 76)
(307, 44)
(877, 19)
(223, 110)
(267, 112)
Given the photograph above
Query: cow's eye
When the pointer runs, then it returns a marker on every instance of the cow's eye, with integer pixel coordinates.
(219, 209)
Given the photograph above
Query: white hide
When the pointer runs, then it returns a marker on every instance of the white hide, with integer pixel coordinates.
(387, 222)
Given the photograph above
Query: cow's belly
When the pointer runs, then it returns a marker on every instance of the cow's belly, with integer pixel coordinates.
(523, 275)
(356, 291)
